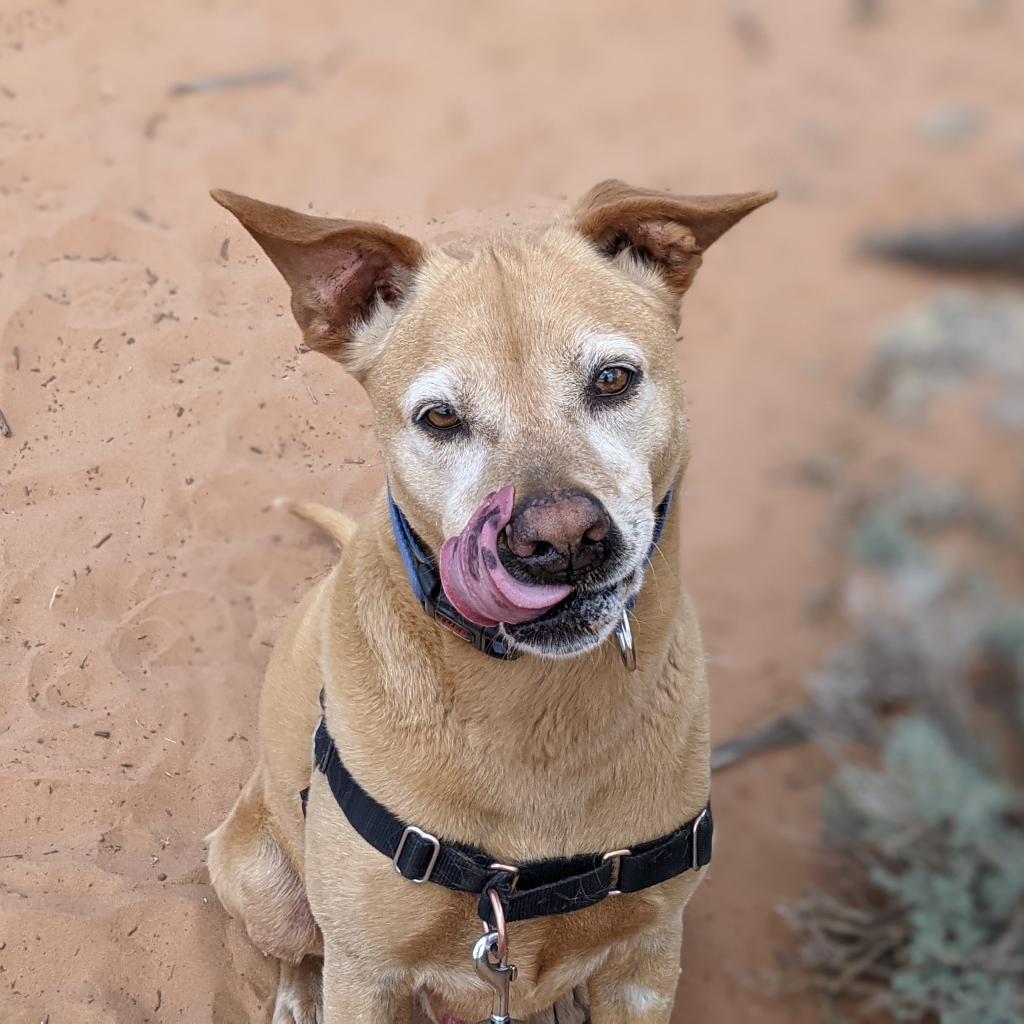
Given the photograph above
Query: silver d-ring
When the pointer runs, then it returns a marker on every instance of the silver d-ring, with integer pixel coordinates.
(624, 636)
(615, 856)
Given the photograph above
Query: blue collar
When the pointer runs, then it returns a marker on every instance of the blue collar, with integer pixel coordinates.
(426, 583)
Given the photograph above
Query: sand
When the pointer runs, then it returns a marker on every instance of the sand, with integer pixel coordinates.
(149, 373)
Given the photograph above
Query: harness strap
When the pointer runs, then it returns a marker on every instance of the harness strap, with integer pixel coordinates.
(538, 888)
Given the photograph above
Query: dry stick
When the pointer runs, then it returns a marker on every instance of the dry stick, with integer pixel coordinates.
(5, 427)
(988, 246)
(857, 959)
(1004, 948)
(886, 942)
(218, 83)
(785, 731)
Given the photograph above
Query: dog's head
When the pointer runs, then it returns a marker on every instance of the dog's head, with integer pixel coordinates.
(539, 361)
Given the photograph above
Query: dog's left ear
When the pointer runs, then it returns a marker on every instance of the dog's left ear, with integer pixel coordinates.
(667, 231)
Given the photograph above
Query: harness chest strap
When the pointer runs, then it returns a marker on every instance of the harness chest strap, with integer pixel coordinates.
(536, 889)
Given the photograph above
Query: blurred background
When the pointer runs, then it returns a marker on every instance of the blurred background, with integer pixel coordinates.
(854, 364)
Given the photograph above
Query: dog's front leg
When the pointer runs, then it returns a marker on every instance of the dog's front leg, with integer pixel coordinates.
(357, 992)
(637, 983)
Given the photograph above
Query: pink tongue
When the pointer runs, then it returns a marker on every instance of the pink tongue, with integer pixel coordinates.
(477, 584)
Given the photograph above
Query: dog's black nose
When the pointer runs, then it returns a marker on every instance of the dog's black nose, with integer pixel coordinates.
(556, 535)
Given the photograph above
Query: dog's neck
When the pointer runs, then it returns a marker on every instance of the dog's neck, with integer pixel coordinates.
(434, 671)
(495, 741)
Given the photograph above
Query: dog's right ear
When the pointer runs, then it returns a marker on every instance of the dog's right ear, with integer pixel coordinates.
(338, 270)
(665, 231)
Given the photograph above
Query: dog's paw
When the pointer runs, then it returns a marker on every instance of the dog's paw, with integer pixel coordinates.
(293, 1011)
(299, 994)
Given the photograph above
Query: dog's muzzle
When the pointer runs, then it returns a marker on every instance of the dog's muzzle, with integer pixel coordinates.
(477, 583)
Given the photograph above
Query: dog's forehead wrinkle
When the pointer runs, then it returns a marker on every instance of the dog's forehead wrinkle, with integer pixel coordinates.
(522, 310)
(503, 274)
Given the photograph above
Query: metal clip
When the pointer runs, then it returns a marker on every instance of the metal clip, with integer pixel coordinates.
(498, 974)
(624, 635)
(435, 852)
(615, 856)
(696, 839)
(509, 869)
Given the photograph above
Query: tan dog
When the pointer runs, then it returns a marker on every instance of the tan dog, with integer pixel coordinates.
(545, 362)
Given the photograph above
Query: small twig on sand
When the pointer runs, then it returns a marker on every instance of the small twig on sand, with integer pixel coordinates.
(53, 596)
(312, 394)
(103, 540)
(5, 427)
(219, 83)
(751, 33)
(785, 731)
(152, 125)
(17, 357)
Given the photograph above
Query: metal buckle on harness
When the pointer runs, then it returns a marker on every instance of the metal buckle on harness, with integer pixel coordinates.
(696, 838)
(507, 869)
(616, 856)
(433, 840)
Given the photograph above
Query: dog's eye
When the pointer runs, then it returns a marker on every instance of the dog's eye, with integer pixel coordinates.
(612, 381)
(440, 417)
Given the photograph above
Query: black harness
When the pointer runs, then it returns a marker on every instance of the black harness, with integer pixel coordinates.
(535, 889)
(538, 888)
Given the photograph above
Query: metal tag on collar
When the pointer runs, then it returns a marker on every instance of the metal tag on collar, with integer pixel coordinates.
(624, 636)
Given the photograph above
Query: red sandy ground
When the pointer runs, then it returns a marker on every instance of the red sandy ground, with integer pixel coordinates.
(156, 397)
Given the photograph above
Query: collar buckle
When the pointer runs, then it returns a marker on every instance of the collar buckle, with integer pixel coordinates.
(615, 856)
(698, 821)
(435, 851)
